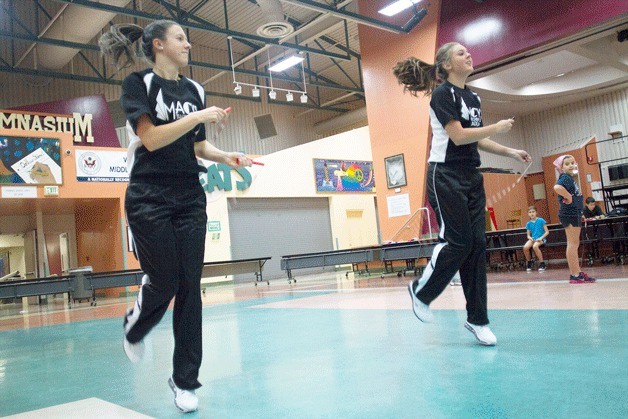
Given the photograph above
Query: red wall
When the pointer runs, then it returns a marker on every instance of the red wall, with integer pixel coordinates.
(542, 207)
(496, 186)
(53, 250)
(525, 24)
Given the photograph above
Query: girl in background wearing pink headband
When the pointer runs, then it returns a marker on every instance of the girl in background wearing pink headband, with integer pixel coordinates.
(570, 203)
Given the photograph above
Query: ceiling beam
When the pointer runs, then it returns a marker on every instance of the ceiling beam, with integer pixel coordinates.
(68, 44)
(80, 78)
(203, 27)
(604, 56)
(355, 17)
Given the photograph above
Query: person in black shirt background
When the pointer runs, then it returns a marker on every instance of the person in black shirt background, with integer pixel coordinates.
(165, 203)
(592, 210)
(570, 214)
(455, 186)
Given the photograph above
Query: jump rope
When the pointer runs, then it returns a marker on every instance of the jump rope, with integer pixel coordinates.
(495, 198)
(217, 129)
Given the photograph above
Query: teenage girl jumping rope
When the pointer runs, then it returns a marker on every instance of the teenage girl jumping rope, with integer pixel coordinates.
(454, 184)
(570, 214)
(165, 203)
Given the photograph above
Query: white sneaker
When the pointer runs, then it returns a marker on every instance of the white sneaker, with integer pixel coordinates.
(133, 351)
(421, 310)
(185, 400)
(456, 280)
(482, 333)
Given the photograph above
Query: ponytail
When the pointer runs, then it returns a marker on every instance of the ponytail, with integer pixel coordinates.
(416, 76)
(419, 76)
(118, 42)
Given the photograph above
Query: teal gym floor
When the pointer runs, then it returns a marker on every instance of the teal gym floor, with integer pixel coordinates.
(335, 347)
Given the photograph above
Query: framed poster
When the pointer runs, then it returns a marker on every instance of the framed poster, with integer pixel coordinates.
(30, 160)
(395, 171)
(344, 176)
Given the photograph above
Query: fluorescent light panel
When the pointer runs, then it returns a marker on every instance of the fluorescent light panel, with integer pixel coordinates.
(398, 6)
(285, 64)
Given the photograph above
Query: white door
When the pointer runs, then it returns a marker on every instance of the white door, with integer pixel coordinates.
(30, 254)
(64, 248)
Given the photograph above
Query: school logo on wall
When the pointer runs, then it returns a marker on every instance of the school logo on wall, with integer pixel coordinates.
(101, 166)
(90, 163)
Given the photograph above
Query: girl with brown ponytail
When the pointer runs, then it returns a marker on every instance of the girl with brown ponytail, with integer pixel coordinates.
(165, 203)
(454, 184)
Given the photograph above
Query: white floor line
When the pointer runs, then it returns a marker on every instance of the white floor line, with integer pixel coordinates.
(552, 281)
(81, 409)
(309, 290)
(335, 290)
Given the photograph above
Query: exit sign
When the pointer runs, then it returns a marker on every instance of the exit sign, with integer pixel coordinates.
(51, 190)
(213, 226)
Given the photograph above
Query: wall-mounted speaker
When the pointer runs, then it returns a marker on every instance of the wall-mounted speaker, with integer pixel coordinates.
(265, 126)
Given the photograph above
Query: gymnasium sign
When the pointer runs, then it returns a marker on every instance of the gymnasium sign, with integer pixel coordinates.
(80, 126)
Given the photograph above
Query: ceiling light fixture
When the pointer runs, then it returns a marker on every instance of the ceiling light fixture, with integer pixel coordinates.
(272, 89)
(286, 63)
(398, 6)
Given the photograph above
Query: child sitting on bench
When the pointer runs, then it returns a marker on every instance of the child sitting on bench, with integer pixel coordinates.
(537, 233)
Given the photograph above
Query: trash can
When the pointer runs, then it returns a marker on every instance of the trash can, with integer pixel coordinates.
(81, 290)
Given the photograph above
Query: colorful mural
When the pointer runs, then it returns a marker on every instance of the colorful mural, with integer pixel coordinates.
(30, 160)
(344, 176)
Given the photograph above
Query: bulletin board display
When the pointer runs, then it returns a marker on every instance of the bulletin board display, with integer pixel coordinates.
(30, 160)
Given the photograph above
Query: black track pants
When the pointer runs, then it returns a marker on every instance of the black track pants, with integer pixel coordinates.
(168, 226)
(457, 195)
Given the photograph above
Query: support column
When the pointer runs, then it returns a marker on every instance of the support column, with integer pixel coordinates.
(398, 122)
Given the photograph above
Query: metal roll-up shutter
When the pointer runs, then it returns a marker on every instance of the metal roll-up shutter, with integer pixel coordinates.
(276, 227)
